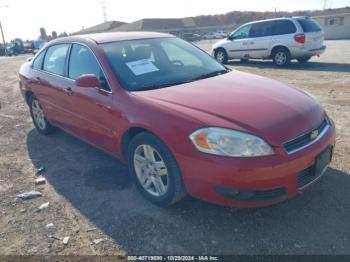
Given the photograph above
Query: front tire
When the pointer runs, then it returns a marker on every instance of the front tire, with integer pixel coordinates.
(281, 57)
(39, 118)
(154, 170)
(221, 56)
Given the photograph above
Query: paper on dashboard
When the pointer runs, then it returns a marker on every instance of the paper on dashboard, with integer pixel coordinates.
(142, 66)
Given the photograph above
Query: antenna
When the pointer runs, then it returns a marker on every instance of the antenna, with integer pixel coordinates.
(104, 12)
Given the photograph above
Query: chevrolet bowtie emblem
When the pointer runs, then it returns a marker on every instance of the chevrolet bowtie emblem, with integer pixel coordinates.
(314, 134)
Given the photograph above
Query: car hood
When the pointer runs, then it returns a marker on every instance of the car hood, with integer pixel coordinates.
(267, 108)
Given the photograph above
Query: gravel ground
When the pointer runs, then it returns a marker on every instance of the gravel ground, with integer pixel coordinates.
(92, 198)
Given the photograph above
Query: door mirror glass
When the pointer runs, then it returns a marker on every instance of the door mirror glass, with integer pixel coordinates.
(87, 81)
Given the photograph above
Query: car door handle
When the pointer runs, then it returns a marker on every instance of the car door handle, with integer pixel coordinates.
(68, 90)
(252, 43)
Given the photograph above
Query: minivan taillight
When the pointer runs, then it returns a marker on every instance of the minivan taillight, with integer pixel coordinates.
(300, 38)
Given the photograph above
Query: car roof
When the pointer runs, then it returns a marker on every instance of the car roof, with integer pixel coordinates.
(101, 38)
(279, 18)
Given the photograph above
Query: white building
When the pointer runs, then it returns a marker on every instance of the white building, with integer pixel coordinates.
(336, 26)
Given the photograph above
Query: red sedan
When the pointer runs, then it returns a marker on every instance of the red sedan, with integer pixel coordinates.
(183, 122)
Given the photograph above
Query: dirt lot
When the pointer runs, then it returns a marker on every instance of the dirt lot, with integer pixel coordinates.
(92, 198)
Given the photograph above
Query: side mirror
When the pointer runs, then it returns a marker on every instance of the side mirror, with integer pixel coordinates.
(88, 81)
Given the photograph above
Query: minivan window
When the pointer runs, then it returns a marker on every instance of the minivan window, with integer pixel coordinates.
(242, 33)
(82, 62)
(309, 25)
(55, 59)
(38, 62)
(283, 27)
(261, 29)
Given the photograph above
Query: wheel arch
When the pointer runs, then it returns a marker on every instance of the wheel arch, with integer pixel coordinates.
(276, 47)
(28, 95)
(218, 48)
(129, 134)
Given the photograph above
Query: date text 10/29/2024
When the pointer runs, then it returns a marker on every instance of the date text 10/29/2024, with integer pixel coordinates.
(173, 258)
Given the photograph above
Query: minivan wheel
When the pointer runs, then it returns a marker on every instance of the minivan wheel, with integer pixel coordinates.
(154, 170)
(281, 57)
(221, 56)
(38, 117)
(304, 59)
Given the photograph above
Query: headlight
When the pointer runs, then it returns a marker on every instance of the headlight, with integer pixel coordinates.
(228, 142)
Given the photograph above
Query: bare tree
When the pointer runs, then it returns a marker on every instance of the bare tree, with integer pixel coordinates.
(43, 35)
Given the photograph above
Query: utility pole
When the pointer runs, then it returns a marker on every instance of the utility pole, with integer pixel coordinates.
(104, 12)
(2, 31)
(325, 4)
(2, 34)
(275, 9)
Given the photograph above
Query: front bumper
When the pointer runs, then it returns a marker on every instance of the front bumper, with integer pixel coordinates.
(261, 181)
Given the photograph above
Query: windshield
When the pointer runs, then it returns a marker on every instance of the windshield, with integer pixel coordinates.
(159, 62)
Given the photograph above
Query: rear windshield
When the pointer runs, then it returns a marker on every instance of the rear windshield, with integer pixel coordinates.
(309, 25)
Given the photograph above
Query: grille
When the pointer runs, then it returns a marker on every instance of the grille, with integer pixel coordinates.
(269, 194)
(305, 140)
(306, 176)
(247, 195)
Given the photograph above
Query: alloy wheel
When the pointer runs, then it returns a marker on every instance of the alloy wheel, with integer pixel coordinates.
(280, 58)
(151, 170)
(220, 56)
(38, 114)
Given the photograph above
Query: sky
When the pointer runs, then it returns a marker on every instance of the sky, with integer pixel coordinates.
(23, 18)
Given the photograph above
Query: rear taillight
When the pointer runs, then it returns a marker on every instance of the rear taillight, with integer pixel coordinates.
(300, 38)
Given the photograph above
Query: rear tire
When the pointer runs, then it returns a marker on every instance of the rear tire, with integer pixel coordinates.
(304, 60)
(221, 56)
(151, 163)
(39, 120)
(281, 57)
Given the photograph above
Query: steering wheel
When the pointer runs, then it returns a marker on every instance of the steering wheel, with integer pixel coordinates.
(177, 62)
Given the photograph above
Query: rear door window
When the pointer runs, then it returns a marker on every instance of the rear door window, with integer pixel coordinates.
(261, 29)
(309, 25)
(38, 62)
(283, 27)
(55, 59)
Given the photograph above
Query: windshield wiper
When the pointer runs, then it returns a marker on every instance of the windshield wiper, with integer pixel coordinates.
(167, 84)
(161, 85)
(211, 74)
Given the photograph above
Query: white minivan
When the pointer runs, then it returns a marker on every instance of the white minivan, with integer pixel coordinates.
(279, 39)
